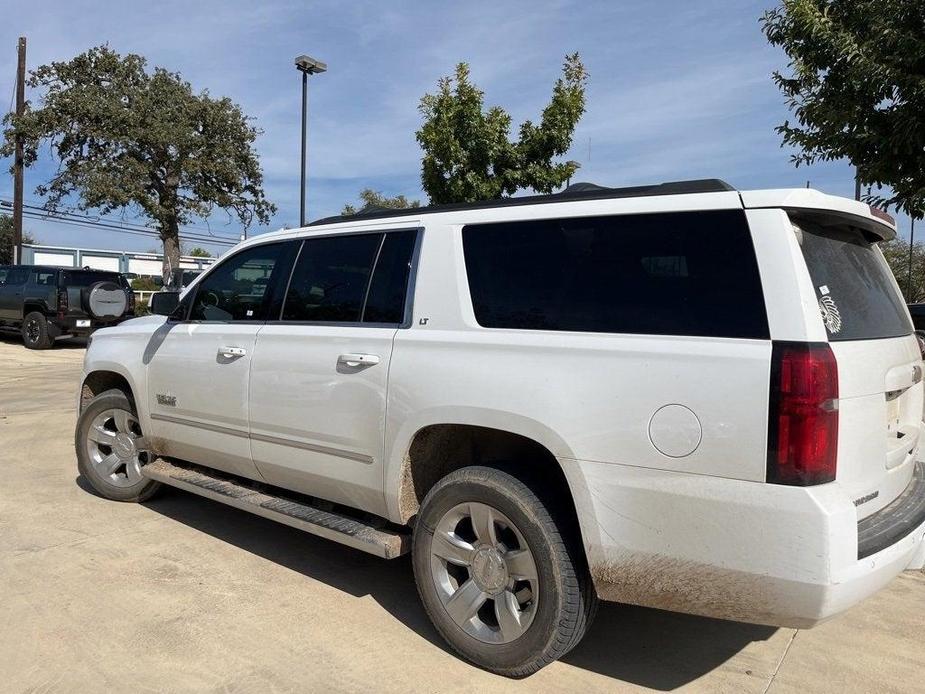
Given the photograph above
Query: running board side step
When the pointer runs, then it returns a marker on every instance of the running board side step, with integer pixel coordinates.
(382, 542)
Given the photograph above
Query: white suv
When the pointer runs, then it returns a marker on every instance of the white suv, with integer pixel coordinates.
(681, 396)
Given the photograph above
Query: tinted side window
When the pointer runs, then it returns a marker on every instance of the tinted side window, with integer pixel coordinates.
(16, 276)
(691, 273)
(330, 278)
(385, 302)
(238, 287)
(45, 278)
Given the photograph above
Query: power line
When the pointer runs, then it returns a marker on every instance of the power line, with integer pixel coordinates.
(103, 219)
(118, 229)
(112, 218)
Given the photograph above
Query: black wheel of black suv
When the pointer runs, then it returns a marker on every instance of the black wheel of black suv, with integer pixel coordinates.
(35, 332)
(496, 577)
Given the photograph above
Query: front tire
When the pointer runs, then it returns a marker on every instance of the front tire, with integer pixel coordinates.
(111, 448)
(496, 577)
(35, 332)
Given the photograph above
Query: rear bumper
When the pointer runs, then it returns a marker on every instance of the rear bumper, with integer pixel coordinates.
(746, 551)
(75, 325)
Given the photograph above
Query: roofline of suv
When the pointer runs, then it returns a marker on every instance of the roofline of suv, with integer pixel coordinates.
(789, 199)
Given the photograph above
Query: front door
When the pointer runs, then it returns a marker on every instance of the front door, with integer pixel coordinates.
(320, 375)
(199, 366)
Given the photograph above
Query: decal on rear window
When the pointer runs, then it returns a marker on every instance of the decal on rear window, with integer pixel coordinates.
(830, 315)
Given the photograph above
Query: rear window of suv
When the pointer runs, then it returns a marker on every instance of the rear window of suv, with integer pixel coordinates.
(857, 295)
(684, 273)
(84, 278)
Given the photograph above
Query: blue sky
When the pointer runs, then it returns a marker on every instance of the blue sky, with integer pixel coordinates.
(678, 89)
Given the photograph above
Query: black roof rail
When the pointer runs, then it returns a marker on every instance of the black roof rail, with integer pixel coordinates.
(576, 191)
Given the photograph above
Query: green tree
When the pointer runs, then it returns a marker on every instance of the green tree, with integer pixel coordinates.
(897, 255)
(374, 198)
(6, 239)
(127, 138)
(468, 155)
(199, 252)
(857, 89)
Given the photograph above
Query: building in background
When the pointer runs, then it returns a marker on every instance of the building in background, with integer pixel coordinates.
(128, 262)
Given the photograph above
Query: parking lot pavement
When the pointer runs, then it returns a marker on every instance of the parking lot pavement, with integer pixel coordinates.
(183, 594)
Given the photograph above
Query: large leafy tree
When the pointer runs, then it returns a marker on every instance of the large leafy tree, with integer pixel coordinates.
(6, 239)
(857, 89)
(468, 154)
(375, 199)
(897, 253)
(130, 139)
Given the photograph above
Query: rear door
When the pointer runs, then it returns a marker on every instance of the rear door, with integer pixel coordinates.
(11, 292)
(879, 362)
(320, 373)
(199, 367)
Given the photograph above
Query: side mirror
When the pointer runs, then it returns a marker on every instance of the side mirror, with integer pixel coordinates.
(164, 303)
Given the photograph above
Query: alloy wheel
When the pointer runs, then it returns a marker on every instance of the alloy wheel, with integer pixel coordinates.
(484, 572)
(116, 447)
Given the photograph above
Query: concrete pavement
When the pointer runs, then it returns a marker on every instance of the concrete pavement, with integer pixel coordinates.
(186, 595)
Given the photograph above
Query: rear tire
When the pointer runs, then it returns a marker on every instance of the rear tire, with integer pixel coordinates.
(111, 448)
(35, 333)
(496, 577)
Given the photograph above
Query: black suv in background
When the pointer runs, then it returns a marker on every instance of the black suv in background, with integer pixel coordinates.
(44, 303)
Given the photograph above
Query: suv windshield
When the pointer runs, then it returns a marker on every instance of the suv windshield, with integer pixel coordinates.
(84, 278)
(857, 294)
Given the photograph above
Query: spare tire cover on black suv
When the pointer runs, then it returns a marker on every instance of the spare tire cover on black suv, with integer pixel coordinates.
(104, 300)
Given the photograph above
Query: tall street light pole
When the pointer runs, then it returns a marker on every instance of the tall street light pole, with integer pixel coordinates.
(307, 66)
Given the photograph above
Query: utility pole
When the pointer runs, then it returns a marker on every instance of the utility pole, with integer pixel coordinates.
(857, 184)
(18, 154)
(909, 297)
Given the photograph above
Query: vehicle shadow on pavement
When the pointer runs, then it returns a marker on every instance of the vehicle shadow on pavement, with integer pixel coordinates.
(646, 647)
(61, 343)
(659, 649)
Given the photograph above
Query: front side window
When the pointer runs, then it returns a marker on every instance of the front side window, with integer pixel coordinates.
(237, 290)
(685, 273)
(16, 276)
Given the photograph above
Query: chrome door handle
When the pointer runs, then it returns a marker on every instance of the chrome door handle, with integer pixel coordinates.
(231, 352)
(354, 360)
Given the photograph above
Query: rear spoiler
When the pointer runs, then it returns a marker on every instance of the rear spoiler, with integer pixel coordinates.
(823, 209)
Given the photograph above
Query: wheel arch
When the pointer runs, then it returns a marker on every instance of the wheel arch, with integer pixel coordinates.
(102, 379)
(31, 306)
(519, 446)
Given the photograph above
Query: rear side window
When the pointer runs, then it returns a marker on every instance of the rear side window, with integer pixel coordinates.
(857, 296)
(45, 278)
(385, 302)
(329, 280)
(351, 278)
(688, 273)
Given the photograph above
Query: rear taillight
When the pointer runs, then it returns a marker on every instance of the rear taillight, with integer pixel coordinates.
(803, 414)
(62, 303)
(131, 301)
